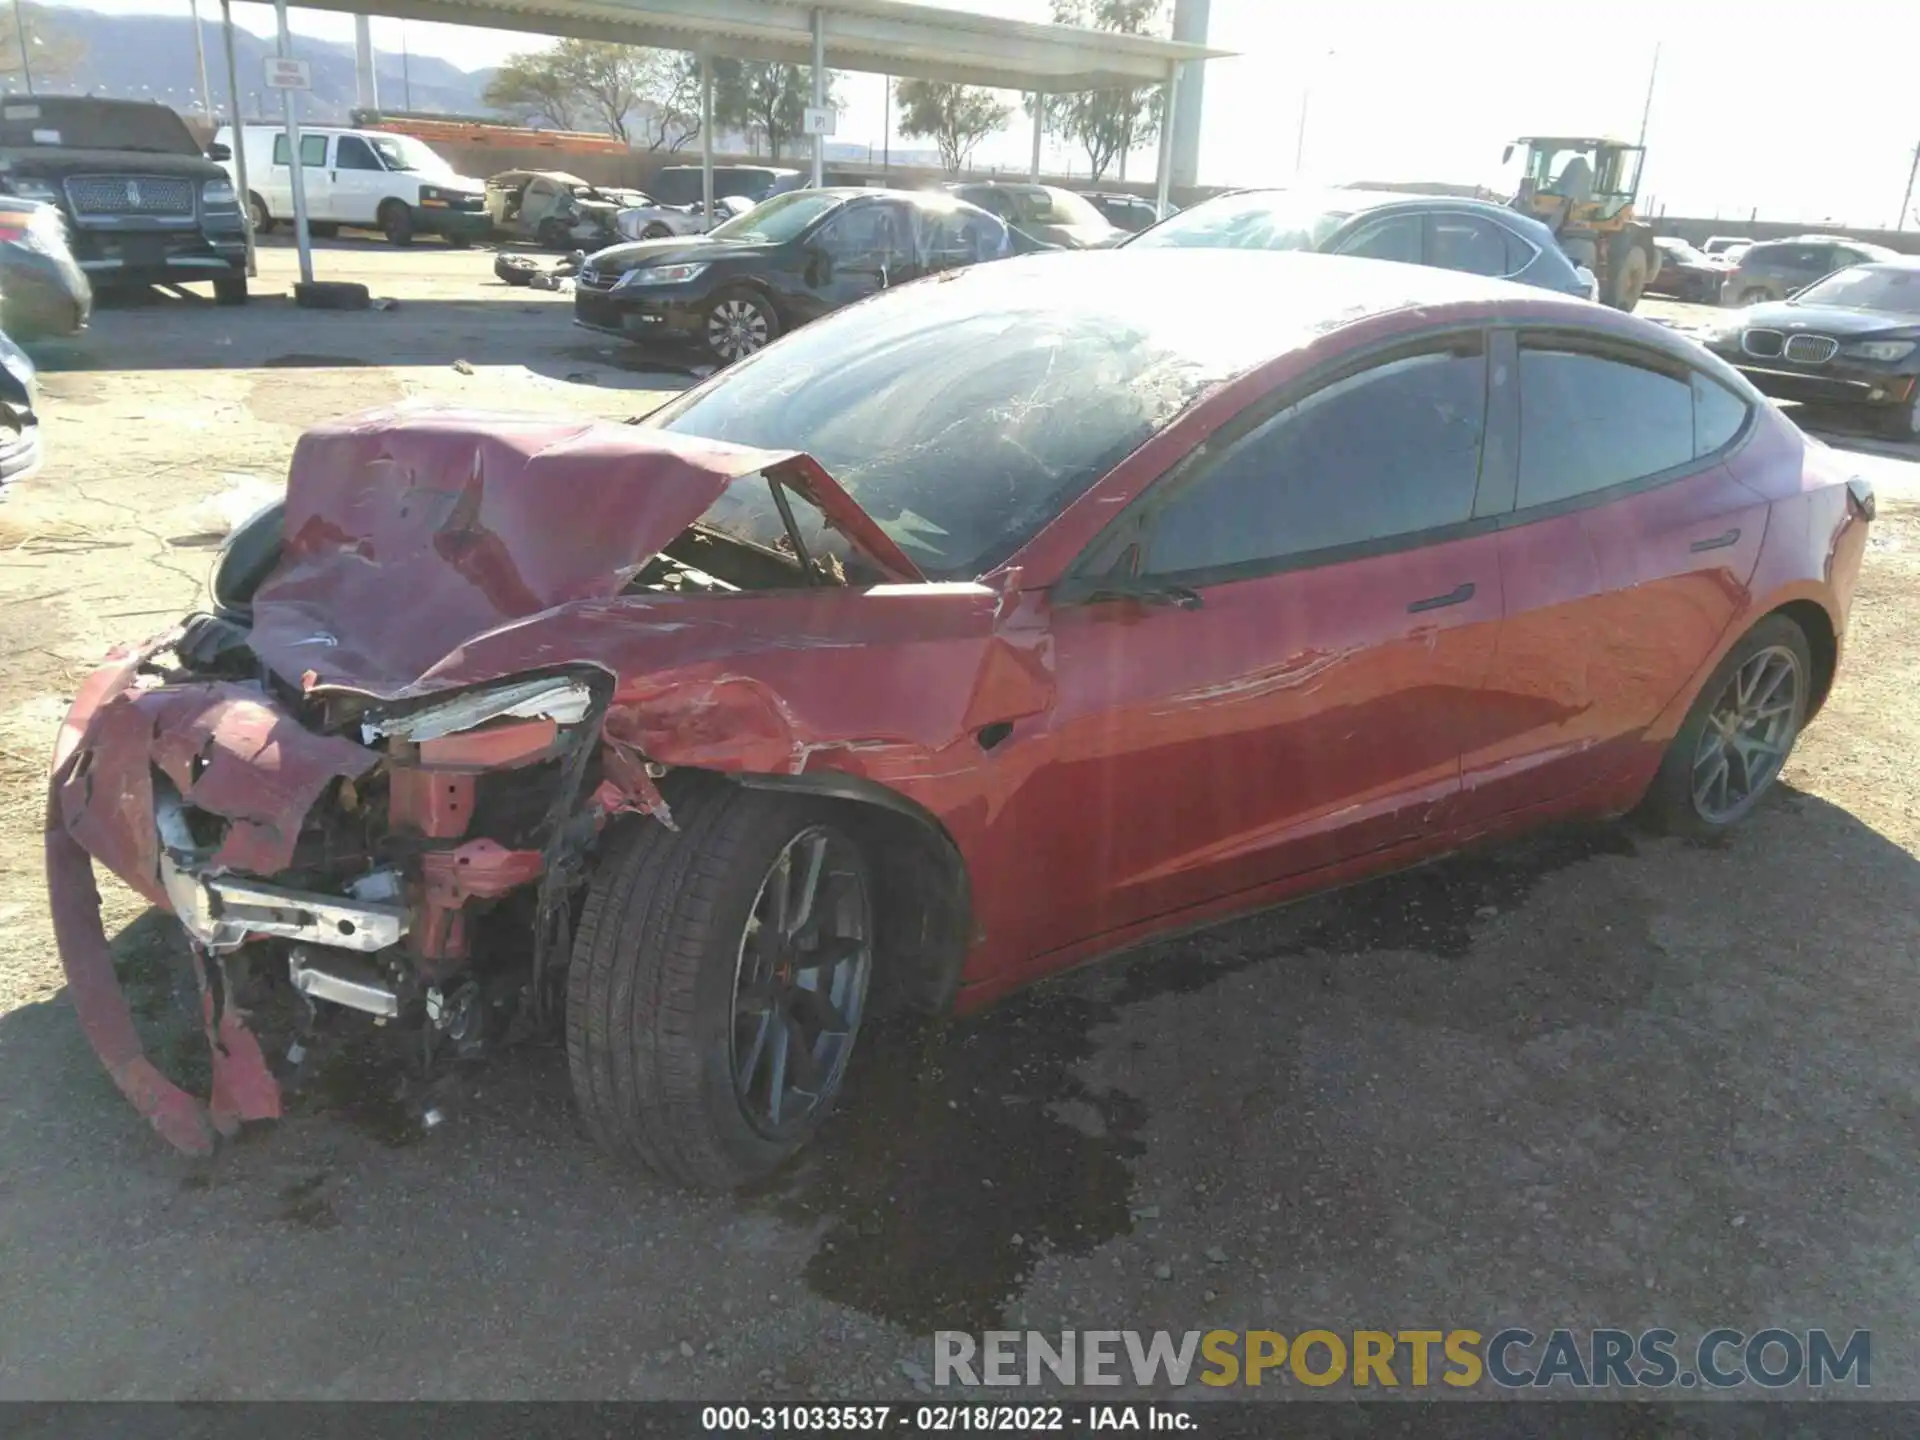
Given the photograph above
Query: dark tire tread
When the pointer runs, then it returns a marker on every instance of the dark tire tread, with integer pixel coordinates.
(649, 928)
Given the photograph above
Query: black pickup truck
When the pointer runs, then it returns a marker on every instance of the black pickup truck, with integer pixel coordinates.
(143, 204)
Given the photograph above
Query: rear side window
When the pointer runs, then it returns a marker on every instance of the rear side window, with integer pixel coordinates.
(1397, 237)
(1718, 415)
(1391, 451)
(1465, 242)
(1590, 420)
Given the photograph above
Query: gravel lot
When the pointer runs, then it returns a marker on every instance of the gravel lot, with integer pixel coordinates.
(1592, 1079)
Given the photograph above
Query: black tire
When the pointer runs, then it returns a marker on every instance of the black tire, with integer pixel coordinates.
(655, 231)
(1628, 270)
(459, 242)
(262, 222)
(1671, 803)
(230, 292)
(739, 322)
(651, 989)
(396, 222)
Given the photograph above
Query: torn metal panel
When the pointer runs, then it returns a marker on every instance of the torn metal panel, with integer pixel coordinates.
(562, 701)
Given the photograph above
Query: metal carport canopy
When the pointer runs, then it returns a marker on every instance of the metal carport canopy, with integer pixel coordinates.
(888, 37)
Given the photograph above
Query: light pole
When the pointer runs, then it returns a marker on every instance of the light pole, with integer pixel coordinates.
(1646, 110)
(1906, 200)
(1306, 97)
(20, 28)
(200, 53)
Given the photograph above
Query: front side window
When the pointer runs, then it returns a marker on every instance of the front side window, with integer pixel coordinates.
(1393, 451)
(865, 232)
(1590, 420)
(353, 153)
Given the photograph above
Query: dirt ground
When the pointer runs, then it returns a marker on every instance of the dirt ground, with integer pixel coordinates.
(1591, 1079)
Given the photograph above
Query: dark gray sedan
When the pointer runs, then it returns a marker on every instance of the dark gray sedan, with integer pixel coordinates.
(1441, 231)
(1774, 269)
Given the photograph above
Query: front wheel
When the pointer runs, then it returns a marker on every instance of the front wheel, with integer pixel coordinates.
(230, 292)
(262, 221)
(1738, 734)
(739, 323)
(718, 982)
(1901, 422)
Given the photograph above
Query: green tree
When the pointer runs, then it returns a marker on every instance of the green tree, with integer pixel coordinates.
(955, 117)
(768, 101)
(1108, 124)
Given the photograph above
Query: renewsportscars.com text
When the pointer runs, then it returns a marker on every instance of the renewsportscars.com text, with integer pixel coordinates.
(1510, 1359)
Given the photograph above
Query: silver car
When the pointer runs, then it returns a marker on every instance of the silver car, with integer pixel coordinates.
(654, 221)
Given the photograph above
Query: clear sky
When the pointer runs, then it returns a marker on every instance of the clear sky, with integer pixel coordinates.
(1808, 115)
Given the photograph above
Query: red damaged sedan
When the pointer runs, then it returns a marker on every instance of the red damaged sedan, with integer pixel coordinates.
(966, 635)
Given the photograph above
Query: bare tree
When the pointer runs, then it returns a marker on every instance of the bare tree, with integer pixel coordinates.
(671, 95)
(955, 117)
(533, 86)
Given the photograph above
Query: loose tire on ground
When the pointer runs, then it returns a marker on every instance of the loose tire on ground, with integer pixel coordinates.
(1673, 802)
(658, 972)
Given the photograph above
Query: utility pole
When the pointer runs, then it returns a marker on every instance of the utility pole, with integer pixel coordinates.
(406, 73)
(20, 28)
(200, 52)
(1906, 200)
(1646, 110)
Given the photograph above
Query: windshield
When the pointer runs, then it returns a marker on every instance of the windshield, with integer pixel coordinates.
(72, 123)
(1894, 290)
(403, 152)
(1257, 220)
(964, 413)
(783, 218)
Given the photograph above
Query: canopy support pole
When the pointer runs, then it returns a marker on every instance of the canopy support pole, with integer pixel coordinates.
(1163, 170)
(245, 196)
(706, 135)
(1039, 130)
(819, 93)
(291, 112)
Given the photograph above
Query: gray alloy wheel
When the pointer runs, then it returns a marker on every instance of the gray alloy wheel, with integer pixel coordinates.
(800, 981)
(1747, 734)
(739, 323)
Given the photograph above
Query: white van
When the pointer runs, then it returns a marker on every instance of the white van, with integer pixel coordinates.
(369, 179)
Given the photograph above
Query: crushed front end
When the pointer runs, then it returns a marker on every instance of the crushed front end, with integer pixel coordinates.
(348, 847)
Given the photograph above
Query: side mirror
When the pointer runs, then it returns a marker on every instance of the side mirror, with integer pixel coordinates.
(217, 151)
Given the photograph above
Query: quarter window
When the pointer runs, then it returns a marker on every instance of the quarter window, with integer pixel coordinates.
(1590, 421)
(1718, 415)
(1391, 451)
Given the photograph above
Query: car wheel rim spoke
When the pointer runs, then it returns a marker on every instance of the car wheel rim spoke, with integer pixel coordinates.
(800, 980)
(1747, 735)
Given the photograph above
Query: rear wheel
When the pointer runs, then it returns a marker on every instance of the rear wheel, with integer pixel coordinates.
(718, 983)
(262, 221)
(1738, 734)
(396, 222)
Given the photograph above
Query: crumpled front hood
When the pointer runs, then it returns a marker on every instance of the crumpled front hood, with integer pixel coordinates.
(411, 531)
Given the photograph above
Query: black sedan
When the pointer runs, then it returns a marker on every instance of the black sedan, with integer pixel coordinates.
(788, 260)
(43, 290)
(1852, 339)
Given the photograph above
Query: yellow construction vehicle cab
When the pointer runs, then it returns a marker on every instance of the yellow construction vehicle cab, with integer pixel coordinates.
(1583, 189)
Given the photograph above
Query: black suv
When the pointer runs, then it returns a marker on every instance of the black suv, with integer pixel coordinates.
(143, 205)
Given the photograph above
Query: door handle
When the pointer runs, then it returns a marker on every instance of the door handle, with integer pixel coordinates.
(1459, 595)
(1718, 542)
